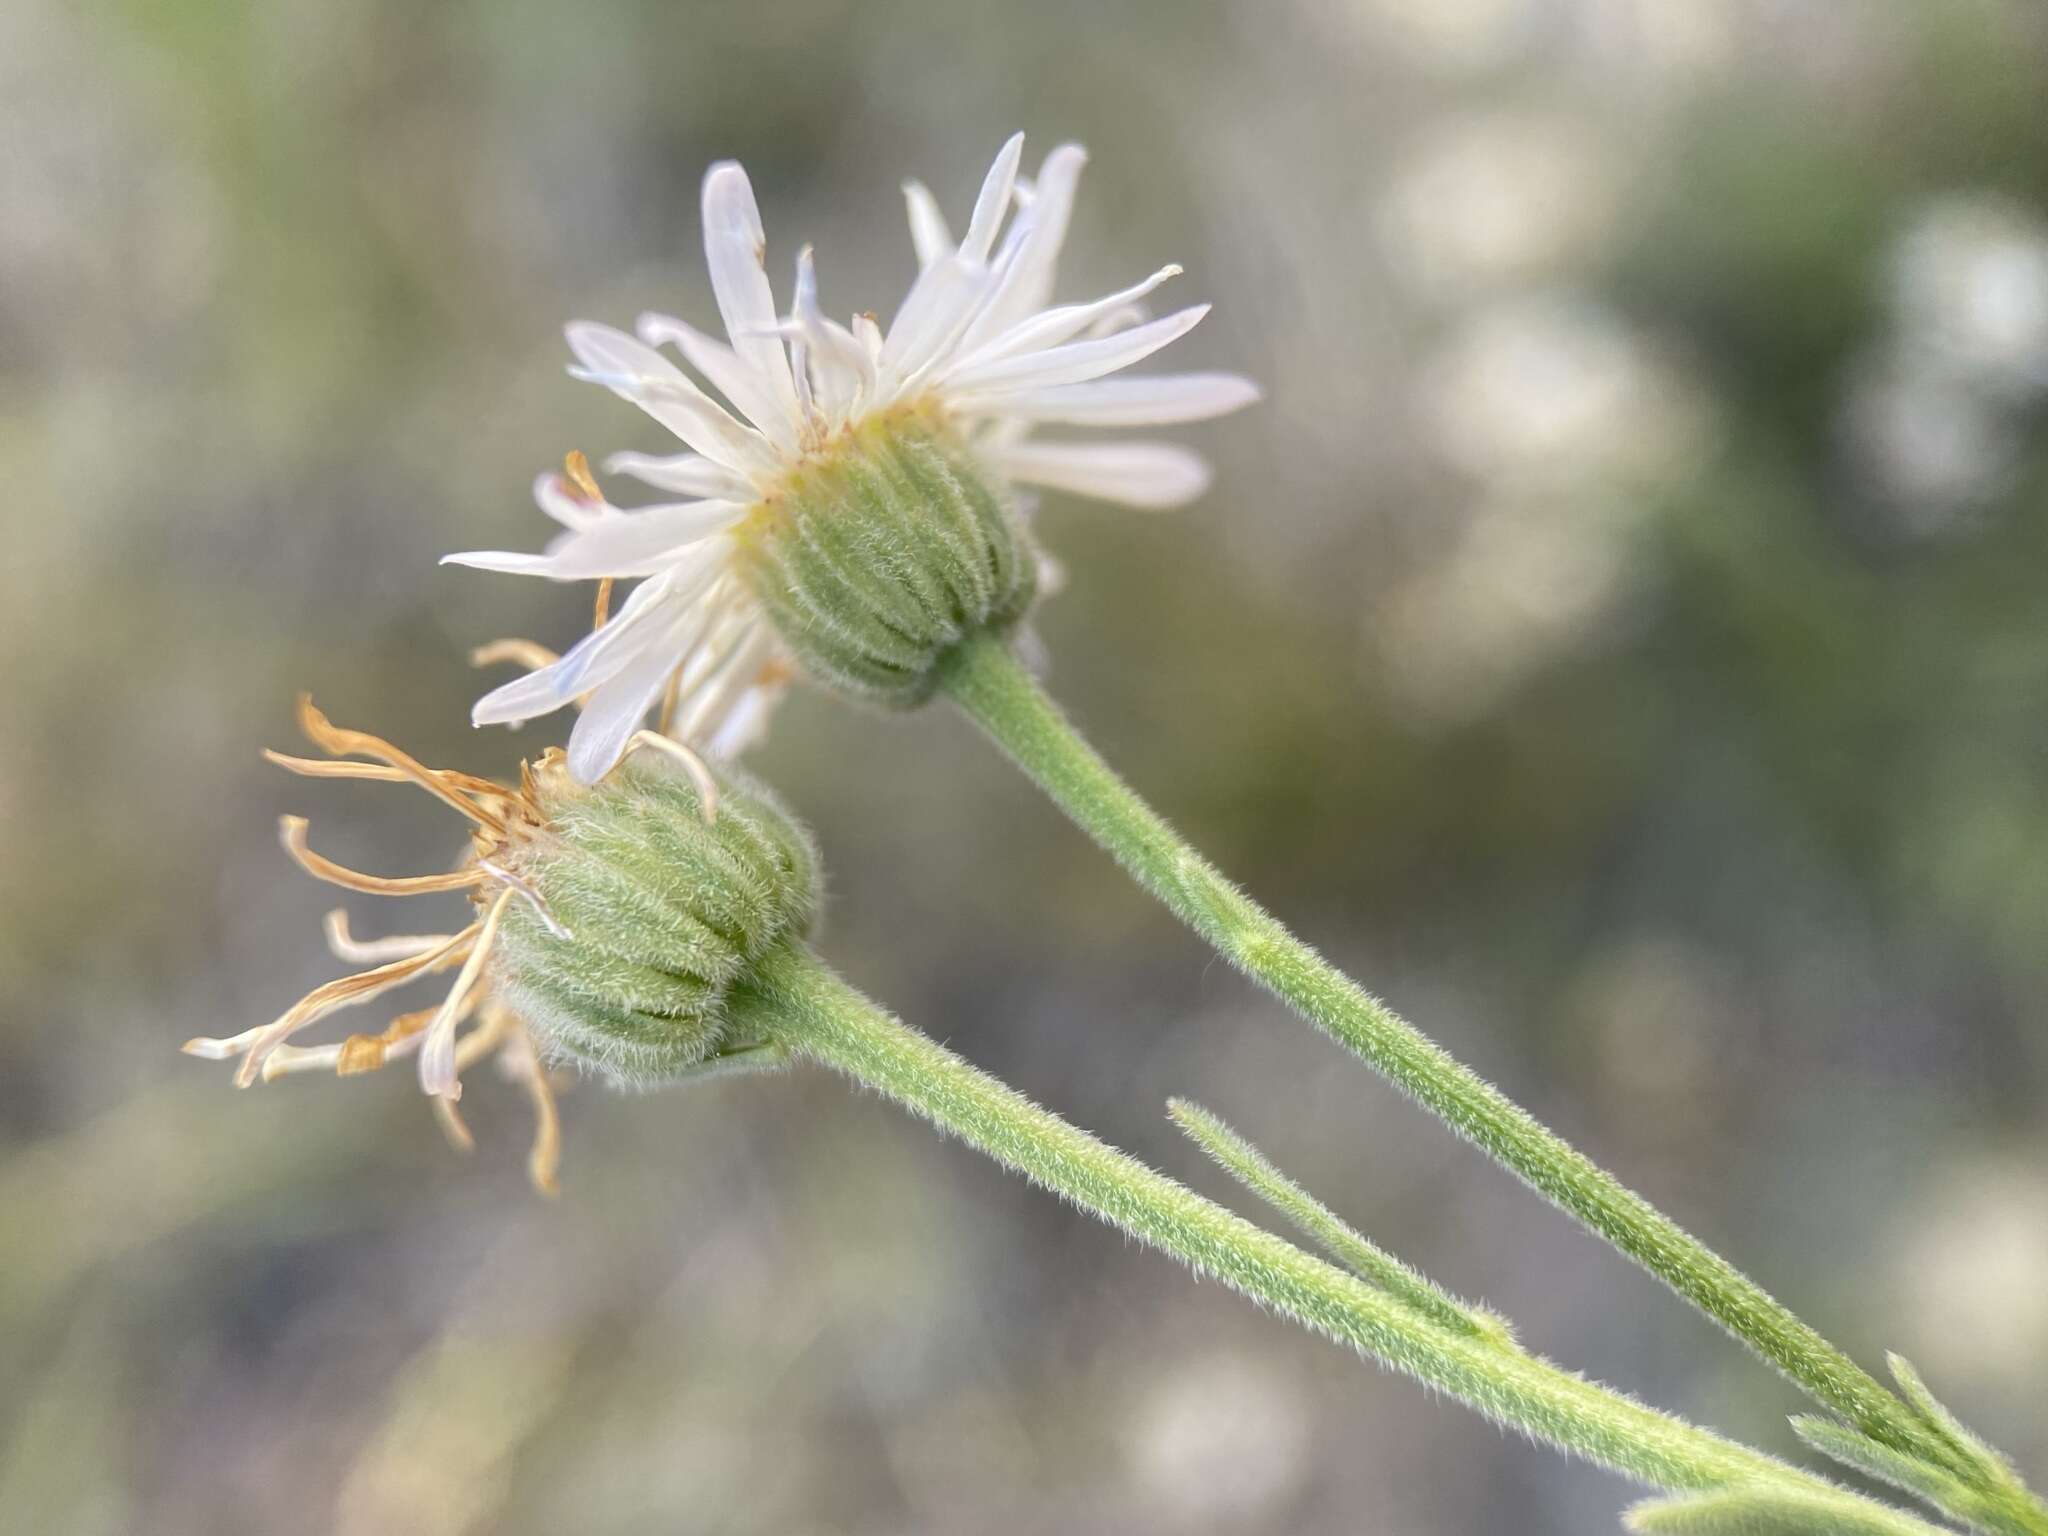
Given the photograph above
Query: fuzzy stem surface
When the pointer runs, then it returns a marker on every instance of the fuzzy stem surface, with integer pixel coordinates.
(794, 1000)
(999, 694)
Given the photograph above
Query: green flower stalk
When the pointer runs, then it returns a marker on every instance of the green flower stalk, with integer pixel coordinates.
(794, 999)
(999, 694)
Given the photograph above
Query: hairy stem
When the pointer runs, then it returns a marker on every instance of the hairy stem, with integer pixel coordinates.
(987, 681)
(793, 999)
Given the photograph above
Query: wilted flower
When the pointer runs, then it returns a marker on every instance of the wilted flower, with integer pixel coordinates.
(610, 920)
(949, 394)
(499, 816)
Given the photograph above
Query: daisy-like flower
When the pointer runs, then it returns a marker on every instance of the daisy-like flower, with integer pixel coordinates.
(942, 406)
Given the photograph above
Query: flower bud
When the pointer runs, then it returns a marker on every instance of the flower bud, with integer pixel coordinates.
(643, 912)
(875, 559)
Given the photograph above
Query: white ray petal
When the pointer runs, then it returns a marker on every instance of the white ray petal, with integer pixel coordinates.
(869, 334)
(730, 374)
(842, 361)
(687, 474)
(713, 691)
(807, 319)
(993, 202)
(1142, 402)
(842, 370)
(615, 710)
(1052, 207)
(1051, 327)
(643, 542)
(1147, 475)
(1030, 250)
(938, 305)
(509, 562)
(634, 371)
(929, 235)
(745, 721)
(592, 661)
(554, 496)
(603, 540)
(1077, 361)
(735, 248)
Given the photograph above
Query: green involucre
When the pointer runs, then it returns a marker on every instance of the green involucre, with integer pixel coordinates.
(651, 915)
(877, 559)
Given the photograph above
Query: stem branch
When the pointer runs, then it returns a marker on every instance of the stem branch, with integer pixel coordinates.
(996, 691)
(793, 999)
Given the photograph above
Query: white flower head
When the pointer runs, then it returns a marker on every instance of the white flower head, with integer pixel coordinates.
(976, 346)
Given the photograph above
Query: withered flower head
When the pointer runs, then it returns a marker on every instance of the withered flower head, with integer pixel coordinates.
(608, 922)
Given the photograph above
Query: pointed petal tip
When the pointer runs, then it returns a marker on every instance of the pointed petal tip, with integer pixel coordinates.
(654, 328)
(507, 562)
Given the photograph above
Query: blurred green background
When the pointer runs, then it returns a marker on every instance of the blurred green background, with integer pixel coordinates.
(1620, 639)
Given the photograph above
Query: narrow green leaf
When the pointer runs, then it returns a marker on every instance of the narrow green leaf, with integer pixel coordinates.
(1946, 1424)
(1771, 1510)
(1344, 1243)
(1998, 1499)
(1937, 1485)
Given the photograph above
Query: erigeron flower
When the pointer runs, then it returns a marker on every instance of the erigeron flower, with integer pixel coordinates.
(850, 504)
(609, 922)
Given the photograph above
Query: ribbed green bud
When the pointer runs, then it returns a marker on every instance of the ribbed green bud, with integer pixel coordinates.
(879, 557)
(642, 915)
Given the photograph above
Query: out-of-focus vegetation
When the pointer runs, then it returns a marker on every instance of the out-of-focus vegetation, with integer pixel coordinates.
(1620, 638)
